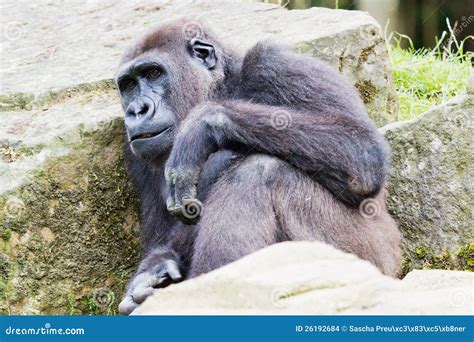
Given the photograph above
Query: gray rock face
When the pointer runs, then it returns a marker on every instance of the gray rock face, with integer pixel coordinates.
(58, 45)
(30, 138)
(431, 185)
(68, 221)
(312, 278)
(68, 216)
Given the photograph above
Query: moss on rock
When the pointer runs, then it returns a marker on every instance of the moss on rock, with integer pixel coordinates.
(367, 90)
(462, 259)
(15, 101)
(69, 236)
(22, 101)
(429, 188)
(466, 257)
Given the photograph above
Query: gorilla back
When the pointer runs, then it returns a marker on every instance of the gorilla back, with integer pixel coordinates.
(231, 153)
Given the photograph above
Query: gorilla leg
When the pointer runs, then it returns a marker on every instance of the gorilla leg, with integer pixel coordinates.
(264, 200)
(238, 217)
(308, 211)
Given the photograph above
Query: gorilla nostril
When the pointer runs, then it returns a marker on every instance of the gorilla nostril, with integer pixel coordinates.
(144, 109)
(138, 109)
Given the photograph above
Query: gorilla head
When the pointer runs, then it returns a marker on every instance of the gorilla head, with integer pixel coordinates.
(160, 78)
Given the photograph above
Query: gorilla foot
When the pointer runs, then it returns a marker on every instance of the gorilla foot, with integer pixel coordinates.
(148, 282)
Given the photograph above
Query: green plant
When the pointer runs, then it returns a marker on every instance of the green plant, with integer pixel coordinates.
(424, 77)
(71, 304)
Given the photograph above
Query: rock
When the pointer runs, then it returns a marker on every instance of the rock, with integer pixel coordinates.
(312, 278)
(30, 138)
(68, 222)
(67, 213)
(61, 53)
(431, 185)
(470, 84)
(68, 218)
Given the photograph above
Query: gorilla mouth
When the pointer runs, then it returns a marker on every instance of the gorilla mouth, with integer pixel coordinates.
(148, 135)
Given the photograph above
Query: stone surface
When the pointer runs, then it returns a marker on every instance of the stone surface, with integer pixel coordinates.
(68, 222)
(313, 278)
(55, 44)
(30, 138)
(431, 185)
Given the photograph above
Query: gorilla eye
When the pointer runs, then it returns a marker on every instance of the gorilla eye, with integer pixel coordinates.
(128, 85)
(153, 74)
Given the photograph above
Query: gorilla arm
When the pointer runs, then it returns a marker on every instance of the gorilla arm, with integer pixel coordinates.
(343, 153)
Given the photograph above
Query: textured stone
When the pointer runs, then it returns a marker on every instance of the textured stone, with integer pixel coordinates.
(62, 45)
(312, 278)
(29, 138)
(68, 222)
(431, 185)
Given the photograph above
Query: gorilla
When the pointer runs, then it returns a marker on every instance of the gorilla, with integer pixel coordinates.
(231, 152)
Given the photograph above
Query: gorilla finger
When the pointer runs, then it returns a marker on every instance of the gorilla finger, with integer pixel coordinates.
(173, 270)
(171, 204)
(139, 294)
(172, 190)
(169, 177)
(145, 279)
(127, 305)
(175, 211)
(184, 189)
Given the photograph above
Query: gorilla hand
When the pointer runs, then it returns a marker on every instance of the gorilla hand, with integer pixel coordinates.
(182, 202)
(147, 280)
(192, 147)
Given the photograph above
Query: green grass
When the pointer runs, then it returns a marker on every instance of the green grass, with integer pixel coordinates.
(424, 77)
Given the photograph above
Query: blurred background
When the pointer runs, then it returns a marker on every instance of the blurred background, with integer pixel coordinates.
(421, 20)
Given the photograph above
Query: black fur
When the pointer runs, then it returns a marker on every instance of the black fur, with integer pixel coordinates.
(260, 182)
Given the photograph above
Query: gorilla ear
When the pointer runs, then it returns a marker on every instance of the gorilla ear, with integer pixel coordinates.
(204, 52)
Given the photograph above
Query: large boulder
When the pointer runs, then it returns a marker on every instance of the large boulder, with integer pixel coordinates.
(312, 278)
(68, 222)
(68, 216)
(431, 185)
(50, 46)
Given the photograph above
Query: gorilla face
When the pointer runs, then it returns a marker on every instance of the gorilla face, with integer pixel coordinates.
(149, 120)
(158, 88)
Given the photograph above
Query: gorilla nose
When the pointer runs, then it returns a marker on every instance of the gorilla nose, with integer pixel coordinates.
(143, 107)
